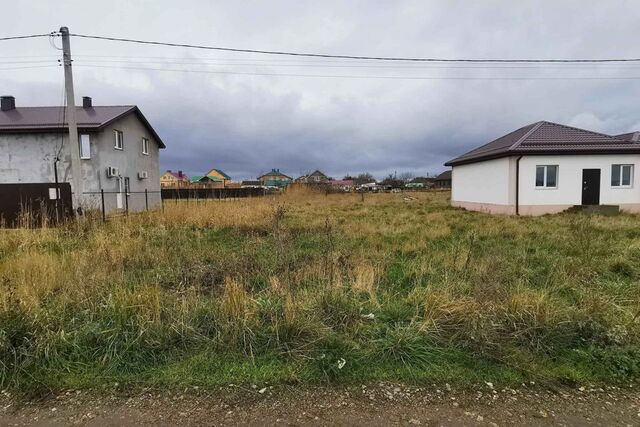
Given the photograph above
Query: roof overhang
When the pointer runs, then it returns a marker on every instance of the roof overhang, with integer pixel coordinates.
(83, 127)
(545, 152)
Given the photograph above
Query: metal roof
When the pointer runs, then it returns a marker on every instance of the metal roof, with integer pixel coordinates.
(51, 119)
(177, 175)
(631, 136)
(446, 175)
(548, 138)
(224, 175)
(274, 172)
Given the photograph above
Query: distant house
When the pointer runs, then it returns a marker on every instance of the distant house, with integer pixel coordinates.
(171, 179)
(342, 184)
(119, 152)
(443, 180)
(316, 177)
(275, 178)
(547, 167)
(217, 174)
(206, 181)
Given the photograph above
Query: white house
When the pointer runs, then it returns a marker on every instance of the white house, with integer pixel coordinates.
(545, 168)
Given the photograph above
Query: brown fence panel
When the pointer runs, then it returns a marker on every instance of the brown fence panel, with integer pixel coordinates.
(210, 193)
(34, 203)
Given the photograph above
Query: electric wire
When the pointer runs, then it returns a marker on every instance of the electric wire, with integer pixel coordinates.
(204, 62)
(360, 57)
(347, 76)
(32, 36)
(27, 67)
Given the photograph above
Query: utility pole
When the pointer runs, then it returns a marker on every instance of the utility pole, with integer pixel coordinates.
(74, 146)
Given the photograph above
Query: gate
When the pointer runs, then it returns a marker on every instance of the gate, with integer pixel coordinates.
(34, 204)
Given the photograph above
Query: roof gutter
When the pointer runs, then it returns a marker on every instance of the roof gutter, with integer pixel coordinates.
(518, 185)
(627, 150)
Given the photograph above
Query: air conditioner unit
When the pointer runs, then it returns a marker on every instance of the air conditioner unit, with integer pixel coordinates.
(112, 172)
(143, 175)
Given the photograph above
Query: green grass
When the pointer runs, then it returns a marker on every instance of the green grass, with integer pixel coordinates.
(312, 288)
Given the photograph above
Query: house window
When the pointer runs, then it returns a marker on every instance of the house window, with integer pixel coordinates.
(118, 141)
(145, 146)
(547, 176)
(621, 175)
(85, 147)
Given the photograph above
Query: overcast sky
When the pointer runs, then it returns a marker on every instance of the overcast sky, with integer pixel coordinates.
(248, 123)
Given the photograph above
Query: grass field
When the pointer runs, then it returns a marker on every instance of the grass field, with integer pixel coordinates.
(306, 288)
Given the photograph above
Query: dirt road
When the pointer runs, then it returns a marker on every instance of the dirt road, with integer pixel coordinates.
(371, 405)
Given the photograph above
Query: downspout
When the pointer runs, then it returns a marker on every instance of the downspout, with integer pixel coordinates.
(55, 176)
(518, 185)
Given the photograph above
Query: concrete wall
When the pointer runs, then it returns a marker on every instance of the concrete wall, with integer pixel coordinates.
(129, 161)
(30, 158)
(490, 186)
(569, 190)
(484, 184)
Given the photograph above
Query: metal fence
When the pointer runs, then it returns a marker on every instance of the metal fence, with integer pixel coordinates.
(113, 203)
(34, 204)
(211, 193)
(38, 204)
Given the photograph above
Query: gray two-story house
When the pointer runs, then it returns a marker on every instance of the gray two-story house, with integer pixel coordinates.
(119, 152)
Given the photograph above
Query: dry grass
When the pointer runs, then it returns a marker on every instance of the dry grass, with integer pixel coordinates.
(307, 279)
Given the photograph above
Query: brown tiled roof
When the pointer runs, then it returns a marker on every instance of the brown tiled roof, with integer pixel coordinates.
(547, 138)
(49, 119)
(631, 136)
(444, 176)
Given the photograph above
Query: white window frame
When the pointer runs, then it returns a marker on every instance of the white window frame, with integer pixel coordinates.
(118, 142)
(622, 166)
(145, 146)
(544, 183)
(85, 146)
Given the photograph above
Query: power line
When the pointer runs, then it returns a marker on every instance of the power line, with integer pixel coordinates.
(205, 62)
(376, 58)
(34, 61)
(32, 36)
(27, 56)
(321, 62)
(26, 68)
(184, 70)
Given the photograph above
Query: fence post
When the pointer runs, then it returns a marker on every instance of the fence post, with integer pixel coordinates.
(146, 199)
(126, 202)
(104, 213)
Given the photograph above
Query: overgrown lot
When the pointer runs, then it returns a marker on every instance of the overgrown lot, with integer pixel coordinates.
(306, 287)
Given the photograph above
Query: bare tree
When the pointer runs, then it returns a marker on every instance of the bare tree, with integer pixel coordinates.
(406, 176)
(364, 178)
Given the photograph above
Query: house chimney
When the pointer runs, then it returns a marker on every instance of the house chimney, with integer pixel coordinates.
(86, 102)
(179, 174)
(7, 103)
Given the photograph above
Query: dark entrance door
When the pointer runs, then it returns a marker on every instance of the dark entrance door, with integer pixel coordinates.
(590, 186)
